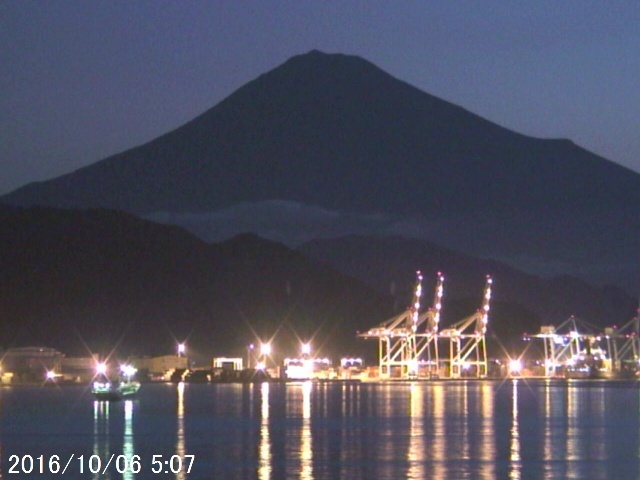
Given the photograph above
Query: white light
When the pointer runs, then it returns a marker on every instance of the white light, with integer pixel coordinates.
(299, 368)
(260, 366)
(515, 366)
(306, 349)
(413, 367)
(350, 362)
(265, 349)
(101, 368)
(182, 348)
(128, 370)
(51, 375)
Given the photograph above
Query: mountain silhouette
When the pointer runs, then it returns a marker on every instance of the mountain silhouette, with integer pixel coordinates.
(336, 132)
(99, 280)
(383, 264)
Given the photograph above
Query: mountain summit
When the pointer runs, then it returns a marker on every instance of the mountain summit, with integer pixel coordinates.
(336, 132)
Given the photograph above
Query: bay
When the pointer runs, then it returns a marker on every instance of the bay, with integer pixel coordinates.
(508, 429)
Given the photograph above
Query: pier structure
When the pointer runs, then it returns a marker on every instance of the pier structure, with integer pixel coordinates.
(407, 343)
(466, 341)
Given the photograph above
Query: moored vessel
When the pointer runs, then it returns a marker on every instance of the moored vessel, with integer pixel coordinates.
(124, 387)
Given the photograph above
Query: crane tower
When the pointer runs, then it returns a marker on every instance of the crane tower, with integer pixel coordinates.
(467, 346)
(403, 343)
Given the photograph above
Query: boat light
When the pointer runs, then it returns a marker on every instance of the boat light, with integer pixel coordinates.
(128, 370)
(101, 368)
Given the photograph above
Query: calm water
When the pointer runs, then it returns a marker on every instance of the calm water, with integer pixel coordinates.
(426, 430)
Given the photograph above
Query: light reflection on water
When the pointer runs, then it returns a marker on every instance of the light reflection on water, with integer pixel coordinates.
(118, 468)
(437, 443)
(488, 444)
(416, 450)
(128, 447)
(514, 429)
(306, 441)
(514, 451)
(180, 432)
(264, 468)
(101, 433)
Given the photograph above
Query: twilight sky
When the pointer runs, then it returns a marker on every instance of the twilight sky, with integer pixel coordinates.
(81, 80)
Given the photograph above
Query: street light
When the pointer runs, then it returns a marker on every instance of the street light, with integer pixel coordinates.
(306, 349)
(249, 350)
(265, 351)
(101, 368)
(515, 366)
(181, 349)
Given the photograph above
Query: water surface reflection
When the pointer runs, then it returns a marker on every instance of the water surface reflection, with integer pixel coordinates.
(264, 467)
(514, 450)
(517, 430)
(101, 434)
(180, 432)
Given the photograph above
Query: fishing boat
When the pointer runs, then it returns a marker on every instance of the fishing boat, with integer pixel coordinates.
(114, 392)
(123, 388)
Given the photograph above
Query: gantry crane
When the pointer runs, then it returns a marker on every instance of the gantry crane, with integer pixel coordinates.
(427, 341)
(466, 339)
(624, 345)
(573, 349)
(401, 341)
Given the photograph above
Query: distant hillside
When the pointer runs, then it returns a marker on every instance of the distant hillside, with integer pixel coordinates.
(383, 263)
(97, 279)
(336, 132)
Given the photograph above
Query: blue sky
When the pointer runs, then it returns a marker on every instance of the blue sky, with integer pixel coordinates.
(81, 80)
